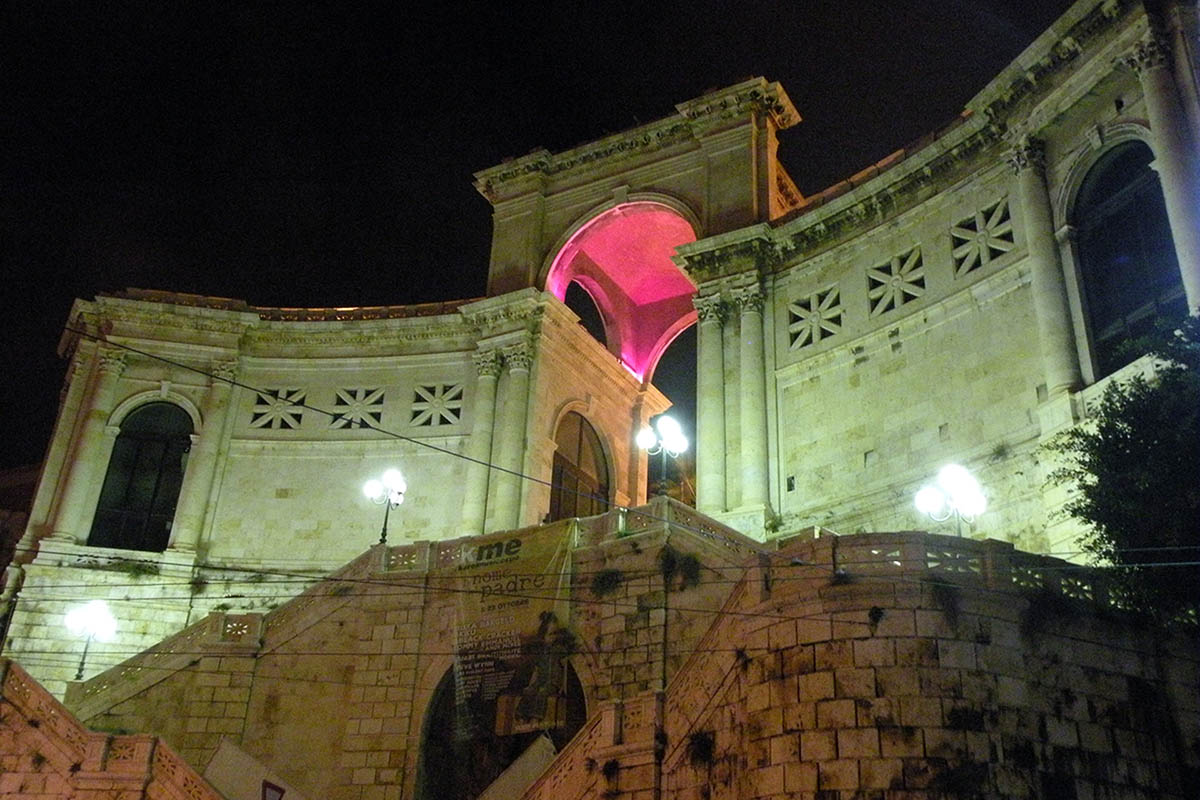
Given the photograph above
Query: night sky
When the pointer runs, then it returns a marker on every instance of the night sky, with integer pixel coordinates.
(303, 154)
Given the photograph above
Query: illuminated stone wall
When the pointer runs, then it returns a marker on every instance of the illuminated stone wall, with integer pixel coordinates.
(271, 495)
(868, 663)
(929, 309)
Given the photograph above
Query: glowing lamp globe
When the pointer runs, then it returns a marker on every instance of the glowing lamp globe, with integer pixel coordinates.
(92, 620)
(930, 500)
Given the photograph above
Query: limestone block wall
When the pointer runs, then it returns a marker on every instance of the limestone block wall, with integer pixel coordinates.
(573, 372)
(907, 665)
(332, 689)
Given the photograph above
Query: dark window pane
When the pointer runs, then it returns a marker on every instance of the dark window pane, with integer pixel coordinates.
(145, 473)
(1127, 257)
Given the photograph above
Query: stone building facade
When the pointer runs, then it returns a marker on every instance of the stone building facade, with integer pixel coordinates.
(959, 301)
(814, 666)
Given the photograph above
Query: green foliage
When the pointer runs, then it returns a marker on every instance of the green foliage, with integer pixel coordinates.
(1136, 471)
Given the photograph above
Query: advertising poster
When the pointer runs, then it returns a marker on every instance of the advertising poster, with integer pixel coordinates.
(511, 640)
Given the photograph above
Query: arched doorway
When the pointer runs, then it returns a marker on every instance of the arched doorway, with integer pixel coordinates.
(461, 754)
(1127, 262)
(580, 477)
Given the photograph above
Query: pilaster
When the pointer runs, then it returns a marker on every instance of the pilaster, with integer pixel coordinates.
(749, 301)
(710, 406)
(1175, 156)
(197, 485)
(1056, 340)
(517, 360)
(86, 463)
(479, 449)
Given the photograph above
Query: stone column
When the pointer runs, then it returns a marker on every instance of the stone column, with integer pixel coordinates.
(1051, 307)
(512, 437)
(710, 406)
(753, 397)
(196, 490)
(85, 461)
(1174, 157)
(479, 447)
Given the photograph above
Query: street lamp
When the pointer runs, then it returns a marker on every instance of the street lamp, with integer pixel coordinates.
(956, 494)
(387, 491)
(665, 437)
(94, 621)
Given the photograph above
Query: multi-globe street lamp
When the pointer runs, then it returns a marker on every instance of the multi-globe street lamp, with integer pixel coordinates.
(92, 620)
(387, 491)
(666, 437)
(955, 493)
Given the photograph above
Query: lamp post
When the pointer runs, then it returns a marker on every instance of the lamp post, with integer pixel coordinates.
(387, 491)
(955, 493)
(94, 621)
(666, 437)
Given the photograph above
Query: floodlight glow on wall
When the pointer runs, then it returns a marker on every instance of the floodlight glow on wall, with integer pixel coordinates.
(955, 493)
(665, 437)
(387, 491)
(92, 620)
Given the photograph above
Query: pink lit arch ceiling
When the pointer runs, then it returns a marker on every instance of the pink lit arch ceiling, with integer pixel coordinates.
(622, 258)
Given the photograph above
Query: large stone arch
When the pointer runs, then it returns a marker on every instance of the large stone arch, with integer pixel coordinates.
(1081, 163)
(621, 255)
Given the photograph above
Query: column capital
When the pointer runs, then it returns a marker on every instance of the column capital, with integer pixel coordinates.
(111, 361)
(1150, 53)
(518, 356)
(487, 363)
(224, 371)
(710, 308)
(1027, 153)
(749, 298)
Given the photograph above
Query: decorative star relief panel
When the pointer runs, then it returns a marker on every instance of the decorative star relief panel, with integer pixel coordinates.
(357, 408)
(893, 284)
(982, 238)
(813, 318)
(437, 404)
(278, 408)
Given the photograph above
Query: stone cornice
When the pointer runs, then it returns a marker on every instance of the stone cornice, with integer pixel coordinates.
(729, 253)
(515, 310)
(710, 112)
(1033, 73)
(755, 96)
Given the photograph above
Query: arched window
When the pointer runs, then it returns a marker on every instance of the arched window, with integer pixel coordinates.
(580, 475)
(578, 300)
(141, 487)
(1126, 255)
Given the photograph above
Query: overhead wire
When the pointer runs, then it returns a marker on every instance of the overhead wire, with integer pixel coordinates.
(279, 576)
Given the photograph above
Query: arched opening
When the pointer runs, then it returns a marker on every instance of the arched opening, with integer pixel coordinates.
(622, 258)
(578, 300)
(1127, 261)
(580, 475)
(675, 376)
(145, 473)
(461, 754)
